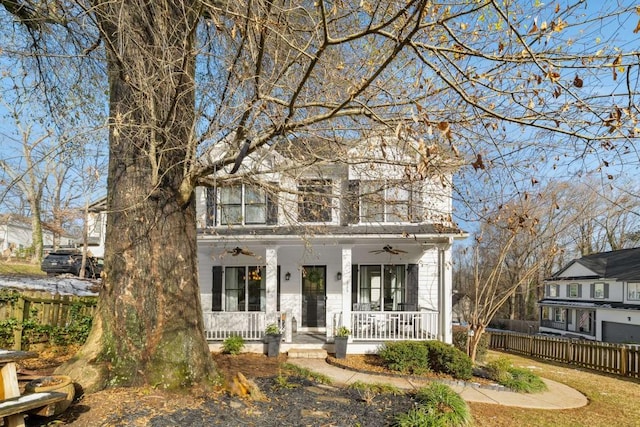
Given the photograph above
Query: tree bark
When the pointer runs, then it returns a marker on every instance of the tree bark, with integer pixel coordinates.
(149, 327)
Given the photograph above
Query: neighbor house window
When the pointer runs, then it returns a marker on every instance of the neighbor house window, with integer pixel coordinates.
(384, 202)
(244, 288)
(553, 290)
(314, 201)
(599, 290)
(558, 314)
(633, 292)
(573, 290)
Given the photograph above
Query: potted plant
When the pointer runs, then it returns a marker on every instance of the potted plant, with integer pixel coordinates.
(273, 336)
(340, 342)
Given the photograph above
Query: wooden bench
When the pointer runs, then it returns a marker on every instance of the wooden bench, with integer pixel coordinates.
(42, 404)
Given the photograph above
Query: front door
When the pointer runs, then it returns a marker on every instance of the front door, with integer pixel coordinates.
(314, 281)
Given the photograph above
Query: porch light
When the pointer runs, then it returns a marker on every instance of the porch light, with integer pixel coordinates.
(287, 276)
(339, 275)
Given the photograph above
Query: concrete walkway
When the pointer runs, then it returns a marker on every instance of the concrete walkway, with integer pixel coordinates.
(558, 396)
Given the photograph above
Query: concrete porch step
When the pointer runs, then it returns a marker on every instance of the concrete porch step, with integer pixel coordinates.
(306, 353)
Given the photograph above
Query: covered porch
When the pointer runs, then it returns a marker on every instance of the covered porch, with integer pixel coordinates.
(369, 329)
(393, 290)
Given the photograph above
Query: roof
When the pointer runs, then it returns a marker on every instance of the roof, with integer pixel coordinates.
(588, 304)
(621, 265)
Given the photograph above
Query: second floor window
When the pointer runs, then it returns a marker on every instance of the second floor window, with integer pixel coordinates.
(574, 290)
(384, 202)
(599, 290)
(633, 292)
(240, 204)
(314, 200)
(553, 291)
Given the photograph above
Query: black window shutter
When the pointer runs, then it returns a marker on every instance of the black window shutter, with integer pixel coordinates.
(352, 202)
(593, 290)
(354, 284)
(579, 290)
(411, 297)
(217, 289)
(272, 206)
(211, 207)
(606, 290)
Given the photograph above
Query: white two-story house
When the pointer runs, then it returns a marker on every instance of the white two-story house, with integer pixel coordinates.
(312, 245)
(363, 243)
(595, 297)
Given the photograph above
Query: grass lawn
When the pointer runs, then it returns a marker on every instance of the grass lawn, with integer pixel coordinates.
(14, 267)
(613, 401)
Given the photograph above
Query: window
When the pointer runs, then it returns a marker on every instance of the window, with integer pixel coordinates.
(633, 292)
(558, 314)
(240, 204)
(314, 201)
(573, 290)
(382, 287)
(553, 291)
(380, 202)
(244, 289)
(599, 290)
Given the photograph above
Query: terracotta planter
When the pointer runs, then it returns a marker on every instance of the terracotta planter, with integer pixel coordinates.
(59, 383)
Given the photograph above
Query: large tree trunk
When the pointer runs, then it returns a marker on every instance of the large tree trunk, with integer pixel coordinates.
(149, 327)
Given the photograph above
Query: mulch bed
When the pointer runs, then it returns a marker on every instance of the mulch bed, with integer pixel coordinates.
(291, 401)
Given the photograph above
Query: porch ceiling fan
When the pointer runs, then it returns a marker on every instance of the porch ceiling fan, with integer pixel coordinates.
(240, 251)
(388, 249)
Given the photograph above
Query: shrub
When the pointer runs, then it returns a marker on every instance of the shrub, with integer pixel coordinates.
(447, 359)
(524, 381)
(405, 356)
(233, 344)
(445, 405)
(418, 417)
(517, 379)
(439, 406)
(498, 369)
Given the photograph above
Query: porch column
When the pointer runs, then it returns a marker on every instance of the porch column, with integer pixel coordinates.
(271, 284)
(445, 294)
(346, 287)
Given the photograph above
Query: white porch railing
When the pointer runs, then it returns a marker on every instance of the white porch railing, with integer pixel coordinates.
(391, 326)
(249, 325)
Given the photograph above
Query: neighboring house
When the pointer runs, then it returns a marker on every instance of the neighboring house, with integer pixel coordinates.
(461, 307)
(596, 297)
(97, 227)
(16, 235)
(354, 244)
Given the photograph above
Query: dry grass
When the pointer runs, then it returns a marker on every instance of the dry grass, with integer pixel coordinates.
(14, 267)
(613, 401)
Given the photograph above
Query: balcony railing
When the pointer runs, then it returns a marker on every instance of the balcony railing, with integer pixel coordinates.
(553, 324)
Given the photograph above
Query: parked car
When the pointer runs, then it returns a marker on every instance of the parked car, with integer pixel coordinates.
(70, 262)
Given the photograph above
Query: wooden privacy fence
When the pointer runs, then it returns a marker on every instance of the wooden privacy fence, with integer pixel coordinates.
(42, 308)
(619, 359)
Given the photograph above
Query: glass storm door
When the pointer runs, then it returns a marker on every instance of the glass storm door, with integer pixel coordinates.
(314, 296)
